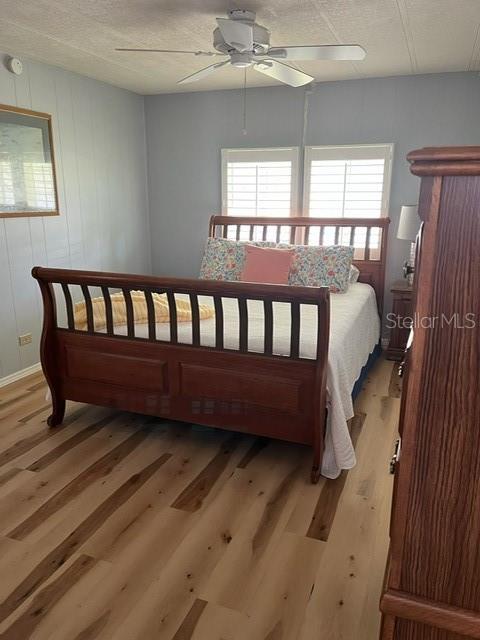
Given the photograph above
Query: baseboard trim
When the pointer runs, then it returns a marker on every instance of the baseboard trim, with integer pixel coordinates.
(18, 375)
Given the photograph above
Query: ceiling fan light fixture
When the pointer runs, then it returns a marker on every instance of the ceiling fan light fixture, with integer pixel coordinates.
(241, 60)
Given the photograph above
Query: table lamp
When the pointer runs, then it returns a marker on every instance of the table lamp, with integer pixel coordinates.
(408, 227)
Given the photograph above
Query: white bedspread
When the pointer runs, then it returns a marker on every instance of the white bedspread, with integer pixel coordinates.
(354, 332)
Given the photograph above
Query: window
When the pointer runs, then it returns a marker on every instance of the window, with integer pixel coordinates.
(260, 182)
(347, 181)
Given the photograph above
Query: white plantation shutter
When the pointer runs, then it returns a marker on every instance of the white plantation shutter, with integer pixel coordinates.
(259, 182)
(348, 181)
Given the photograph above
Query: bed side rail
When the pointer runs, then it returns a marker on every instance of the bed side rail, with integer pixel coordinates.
(104, 283)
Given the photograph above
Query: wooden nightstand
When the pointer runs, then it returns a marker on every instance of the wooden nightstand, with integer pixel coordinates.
(401, 309)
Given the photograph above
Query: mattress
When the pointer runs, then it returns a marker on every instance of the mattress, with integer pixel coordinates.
(354, 332)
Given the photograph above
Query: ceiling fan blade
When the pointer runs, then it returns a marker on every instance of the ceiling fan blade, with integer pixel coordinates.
(320, 52)
(238, 35)
(283, 72)
(195, 53)
(198, 75)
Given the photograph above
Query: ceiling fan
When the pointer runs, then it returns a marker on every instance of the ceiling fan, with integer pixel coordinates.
(247, 44)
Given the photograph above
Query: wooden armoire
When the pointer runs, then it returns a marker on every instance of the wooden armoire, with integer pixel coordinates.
(432, 587)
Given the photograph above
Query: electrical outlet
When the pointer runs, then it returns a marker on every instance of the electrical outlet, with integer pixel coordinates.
(25, 339)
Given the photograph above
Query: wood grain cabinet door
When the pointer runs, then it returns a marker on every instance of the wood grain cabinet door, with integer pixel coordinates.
(433, 584)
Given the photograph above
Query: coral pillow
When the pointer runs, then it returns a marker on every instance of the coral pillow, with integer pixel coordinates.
(270, 266)
(224, 259)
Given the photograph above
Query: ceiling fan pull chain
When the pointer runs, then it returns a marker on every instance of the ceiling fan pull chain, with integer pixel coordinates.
(309, 89)
(244, 130)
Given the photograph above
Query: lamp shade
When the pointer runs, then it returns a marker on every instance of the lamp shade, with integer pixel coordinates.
(409, 223)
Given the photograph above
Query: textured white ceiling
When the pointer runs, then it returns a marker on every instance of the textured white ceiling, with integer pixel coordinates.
(400, 36)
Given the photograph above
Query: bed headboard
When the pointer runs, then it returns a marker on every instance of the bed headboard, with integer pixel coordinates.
(367, 235)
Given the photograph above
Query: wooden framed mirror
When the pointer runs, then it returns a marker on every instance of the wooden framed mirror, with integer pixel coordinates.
(27, 166)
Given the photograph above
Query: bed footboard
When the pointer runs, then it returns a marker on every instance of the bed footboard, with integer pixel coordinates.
(278, 396)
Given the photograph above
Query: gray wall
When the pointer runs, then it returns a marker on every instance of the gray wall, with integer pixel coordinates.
(99, 138)
(99, 135)
(185, 133)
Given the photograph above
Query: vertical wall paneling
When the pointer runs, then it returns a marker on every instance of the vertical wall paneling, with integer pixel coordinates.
(99, 138)
(9, 353)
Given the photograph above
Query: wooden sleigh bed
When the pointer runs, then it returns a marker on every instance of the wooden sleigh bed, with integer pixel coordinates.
(277, 396)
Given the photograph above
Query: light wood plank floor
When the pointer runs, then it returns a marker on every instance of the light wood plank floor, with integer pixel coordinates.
(117, 526)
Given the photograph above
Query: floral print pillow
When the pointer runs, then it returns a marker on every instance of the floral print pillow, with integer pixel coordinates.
(224, 259)
(311, 266)
(322, 267)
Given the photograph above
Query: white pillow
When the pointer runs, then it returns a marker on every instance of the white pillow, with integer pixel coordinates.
(354, 274)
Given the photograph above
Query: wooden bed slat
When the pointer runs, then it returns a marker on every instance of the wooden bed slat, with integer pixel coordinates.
(217, 303)
(351, 239)
(88, 308)
(152, 329)
(69, 306)
(367, 243)
(268, 327)
(195, 319)
(130, 316)
(321, 237)
(108, 310)
(243, 324)
(306, 235)
(172, 310)
(295, 330)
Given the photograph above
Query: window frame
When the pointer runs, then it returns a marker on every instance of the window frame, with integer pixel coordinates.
(352, 152)
(255, 154)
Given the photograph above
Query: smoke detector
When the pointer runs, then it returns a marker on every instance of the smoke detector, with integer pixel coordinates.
(14, 65)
